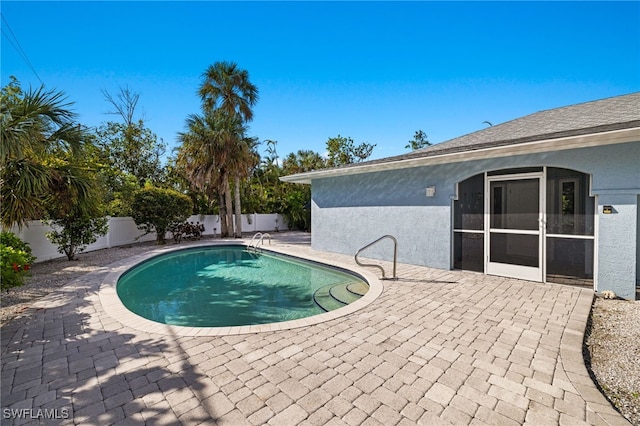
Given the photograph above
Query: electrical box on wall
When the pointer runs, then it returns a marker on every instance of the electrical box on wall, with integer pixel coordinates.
(431, 191)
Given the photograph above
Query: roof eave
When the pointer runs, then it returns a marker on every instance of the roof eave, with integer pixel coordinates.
(545, 145)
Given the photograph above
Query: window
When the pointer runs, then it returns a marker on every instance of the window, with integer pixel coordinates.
(468, 209)
(570, 209)
(468, 225)
(570, 228)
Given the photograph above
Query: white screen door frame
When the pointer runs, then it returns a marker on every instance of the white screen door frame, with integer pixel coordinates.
(515, 225)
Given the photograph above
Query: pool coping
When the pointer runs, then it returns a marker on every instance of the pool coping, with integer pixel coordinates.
(114, 307)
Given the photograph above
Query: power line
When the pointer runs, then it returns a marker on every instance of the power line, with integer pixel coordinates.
(18, 47)
(13, 44)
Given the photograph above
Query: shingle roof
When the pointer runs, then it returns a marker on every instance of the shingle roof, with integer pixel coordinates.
(620, 112)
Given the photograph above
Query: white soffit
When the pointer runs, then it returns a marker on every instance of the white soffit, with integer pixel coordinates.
(547, 145)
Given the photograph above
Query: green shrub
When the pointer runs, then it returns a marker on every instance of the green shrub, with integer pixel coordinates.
(157, 209)
(73, 234)
(16, 260)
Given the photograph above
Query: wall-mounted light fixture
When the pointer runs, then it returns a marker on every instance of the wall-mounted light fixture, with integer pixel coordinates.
(431, 191)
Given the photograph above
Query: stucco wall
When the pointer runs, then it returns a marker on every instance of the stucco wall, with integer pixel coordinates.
(348, 213)
(617, 244)
(416, 228)
(351, 211)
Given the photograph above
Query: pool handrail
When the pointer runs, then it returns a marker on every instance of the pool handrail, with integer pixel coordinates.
(258, 237)
(395, 256)
(266, 234)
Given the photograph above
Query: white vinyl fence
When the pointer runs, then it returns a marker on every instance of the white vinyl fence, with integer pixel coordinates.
(122, 231)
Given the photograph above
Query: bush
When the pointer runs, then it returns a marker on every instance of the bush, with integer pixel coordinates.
(74, 234)
(16, 260)
(186, 230)
(158, 209)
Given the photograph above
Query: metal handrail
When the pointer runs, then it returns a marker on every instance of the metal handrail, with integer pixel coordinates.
(395, 256)
(258, 237)
(261, 241)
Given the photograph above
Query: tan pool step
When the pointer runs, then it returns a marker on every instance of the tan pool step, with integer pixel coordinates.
(334, 296)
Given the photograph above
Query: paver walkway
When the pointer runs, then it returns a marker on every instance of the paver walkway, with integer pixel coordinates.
(437, 347)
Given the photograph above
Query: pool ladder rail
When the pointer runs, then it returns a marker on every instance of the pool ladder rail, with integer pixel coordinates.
(395, 256)
(258, 239)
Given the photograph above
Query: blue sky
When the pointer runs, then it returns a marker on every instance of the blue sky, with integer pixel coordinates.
(373, 71)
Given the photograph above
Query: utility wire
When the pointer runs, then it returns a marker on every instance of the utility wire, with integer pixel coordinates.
(18, 47)
(13, 44)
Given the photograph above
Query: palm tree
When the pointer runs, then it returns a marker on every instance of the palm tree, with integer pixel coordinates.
(226, 87)
(244, 158)
(233, 162)
(227, 90)
(199, 157)
(211, 152)
(40, 154)
(303, 161)
(297, 198)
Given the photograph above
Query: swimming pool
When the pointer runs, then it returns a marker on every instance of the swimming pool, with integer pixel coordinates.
(219, 286)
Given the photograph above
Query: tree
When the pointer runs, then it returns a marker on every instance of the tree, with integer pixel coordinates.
(419, 141)
(41, 153)
(177, 180)
(156, 209)
(261, 194)
(227, 98)
(78, 220)
(133, 149)
(342, 151)
(203, 155)
(72, 234)
(302, 161)
(267, 194)
(125, 104)
(243, 159)
(297, 198)
(226, 87)
(129, 147)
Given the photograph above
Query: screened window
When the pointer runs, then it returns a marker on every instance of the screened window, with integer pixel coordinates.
(468, 251)
(570, 228)
(570, 261)
(570, 209)
(468, 209)
(468, 225)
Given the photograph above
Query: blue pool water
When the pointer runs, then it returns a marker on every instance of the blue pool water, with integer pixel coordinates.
(225, 286)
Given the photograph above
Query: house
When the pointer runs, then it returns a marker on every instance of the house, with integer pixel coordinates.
(550, 197)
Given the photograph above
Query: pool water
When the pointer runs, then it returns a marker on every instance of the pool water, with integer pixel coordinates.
(226, 286)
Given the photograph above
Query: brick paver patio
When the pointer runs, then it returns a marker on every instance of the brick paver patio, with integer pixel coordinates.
(436, 347)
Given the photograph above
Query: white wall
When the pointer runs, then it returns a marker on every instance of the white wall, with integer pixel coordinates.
(253, 222)
(123, 230)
